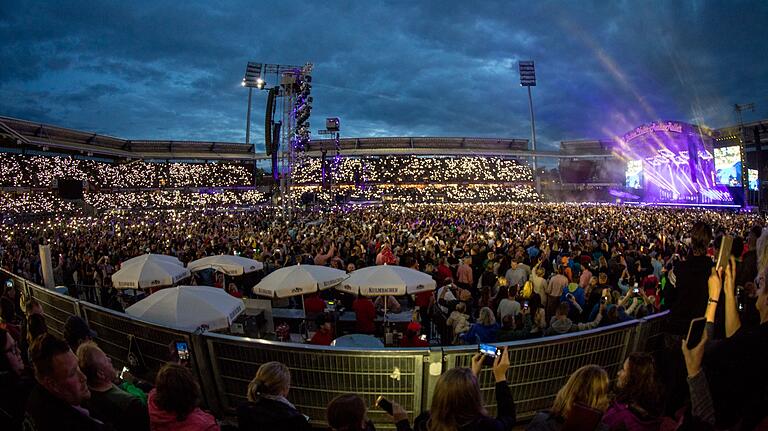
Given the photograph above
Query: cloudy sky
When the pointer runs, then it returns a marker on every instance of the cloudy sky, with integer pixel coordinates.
(171, 69)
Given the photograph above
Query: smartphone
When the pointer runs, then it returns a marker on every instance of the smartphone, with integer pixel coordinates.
(489, 350)
(122, 373)
(604, 300)
(384, 404)
(183, 349)
(525, 304)
(695, 332)
(725, 251)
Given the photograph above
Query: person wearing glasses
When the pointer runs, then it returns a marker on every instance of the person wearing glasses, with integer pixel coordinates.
(14, 385)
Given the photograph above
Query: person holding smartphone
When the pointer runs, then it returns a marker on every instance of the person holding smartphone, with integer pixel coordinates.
(458, 404)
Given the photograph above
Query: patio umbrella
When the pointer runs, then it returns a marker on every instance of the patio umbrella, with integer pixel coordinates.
(191, 308)
(298, 280)
(146, 273)
(387, 280)
(228, 264)
(153, 257)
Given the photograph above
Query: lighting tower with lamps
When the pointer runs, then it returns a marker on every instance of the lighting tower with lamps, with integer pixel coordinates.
(256, 77)
(528, 79)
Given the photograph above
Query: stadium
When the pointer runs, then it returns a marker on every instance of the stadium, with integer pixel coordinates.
(72, 182)
(486, 216)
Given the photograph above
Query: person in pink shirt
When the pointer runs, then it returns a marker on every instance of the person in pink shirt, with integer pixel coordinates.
(173, 404)
(464, 274)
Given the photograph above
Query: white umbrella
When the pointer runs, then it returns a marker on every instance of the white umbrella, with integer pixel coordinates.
(298, 280)
(190, 308)
(142, 274)
(228, 264)
(387, 280)
(153, 257)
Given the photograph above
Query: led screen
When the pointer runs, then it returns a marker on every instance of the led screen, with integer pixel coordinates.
(634, 174)
(728, 166)
(752, 175)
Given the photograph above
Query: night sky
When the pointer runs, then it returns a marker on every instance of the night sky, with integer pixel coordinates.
(172, 70)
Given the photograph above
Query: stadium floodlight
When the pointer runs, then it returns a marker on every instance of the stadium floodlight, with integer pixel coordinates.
(253, 75)
(528, 79)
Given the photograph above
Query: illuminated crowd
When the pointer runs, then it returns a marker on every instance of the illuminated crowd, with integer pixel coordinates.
(37, 171)
(505, 272)
(413, 169)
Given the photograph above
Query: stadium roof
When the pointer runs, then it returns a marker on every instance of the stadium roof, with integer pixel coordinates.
(25, 134)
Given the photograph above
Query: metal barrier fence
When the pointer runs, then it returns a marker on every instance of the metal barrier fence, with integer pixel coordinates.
(57, 307)
(318, 374)
(540, 367)
(225, 364)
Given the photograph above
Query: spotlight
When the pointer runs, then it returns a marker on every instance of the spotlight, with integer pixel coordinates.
(260, 83)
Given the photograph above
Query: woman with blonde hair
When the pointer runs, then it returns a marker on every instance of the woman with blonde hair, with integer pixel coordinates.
(486, 329)
(580, 403)
(457, 404)
(267, 407)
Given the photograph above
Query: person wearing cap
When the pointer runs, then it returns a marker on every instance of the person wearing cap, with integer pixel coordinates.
(411, 337)
(76, 332)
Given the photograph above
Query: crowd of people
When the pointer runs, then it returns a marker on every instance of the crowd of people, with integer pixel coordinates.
(504, 272)
(49, 203)
(414, 169)
(37, 171)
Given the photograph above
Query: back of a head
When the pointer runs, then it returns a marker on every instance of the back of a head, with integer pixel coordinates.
(36, 327)
(176, 390)
(456, 400)
(272, 378)
(346, 413)
(639, 385)
(588, 386)
(562, 309)
(486, 317)
(701, 236)
(42, 352)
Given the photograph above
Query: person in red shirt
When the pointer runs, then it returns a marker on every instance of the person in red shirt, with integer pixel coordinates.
(365, 315)
(324, 334)
(234, 291)
(411, 337)
(314, 304)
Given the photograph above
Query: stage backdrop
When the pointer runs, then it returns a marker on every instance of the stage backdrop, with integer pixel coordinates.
(671, 162)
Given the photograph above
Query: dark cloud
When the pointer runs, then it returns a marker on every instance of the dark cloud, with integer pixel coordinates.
(160, 70)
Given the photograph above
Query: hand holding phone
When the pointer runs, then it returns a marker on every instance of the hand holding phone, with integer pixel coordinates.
(724, 254)
(384, 404)
(695, 332)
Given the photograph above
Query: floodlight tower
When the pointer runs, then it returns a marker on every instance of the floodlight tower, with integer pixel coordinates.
(528, 79)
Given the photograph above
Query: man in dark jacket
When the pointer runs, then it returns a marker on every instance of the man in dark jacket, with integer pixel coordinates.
(56, 402)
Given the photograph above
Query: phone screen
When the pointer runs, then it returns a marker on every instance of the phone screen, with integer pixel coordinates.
(695, 332)
(489, 350)
(183, 349)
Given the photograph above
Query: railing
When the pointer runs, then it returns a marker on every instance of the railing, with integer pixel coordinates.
(225, 364)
